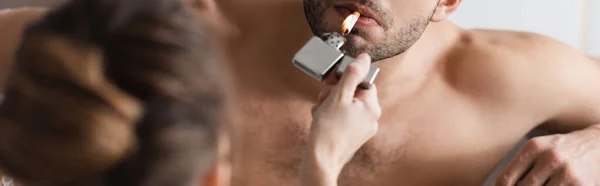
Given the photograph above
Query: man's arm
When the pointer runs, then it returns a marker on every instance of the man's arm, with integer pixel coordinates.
(566, 85)
(576, 89)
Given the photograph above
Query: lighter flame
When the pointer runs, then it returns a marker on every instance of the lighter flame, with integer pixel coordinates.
(349, 23)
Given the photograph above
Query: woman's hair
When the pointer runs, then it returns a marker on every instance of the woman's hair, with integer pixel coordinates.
(113, 92)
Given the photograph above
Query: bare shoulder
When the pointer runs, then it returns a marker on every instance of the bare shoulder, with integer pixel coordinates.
(532, 47)
(511, 68)
(486, 57)
(536, 57)
(12, 24)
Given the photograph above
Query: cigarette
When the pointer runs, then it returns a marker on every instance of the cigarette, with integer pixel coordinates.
(349, 23)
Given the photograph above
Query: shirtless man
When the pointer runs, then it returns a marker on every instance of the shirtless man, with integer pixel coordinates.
(454, 101)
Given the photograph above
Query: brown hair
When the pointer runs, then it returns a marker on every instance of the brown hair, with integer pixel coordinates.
(112, 92)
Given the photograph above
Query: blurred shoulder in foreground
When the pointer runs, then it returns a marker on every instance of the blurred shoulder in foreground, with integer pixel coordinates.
(12, 24)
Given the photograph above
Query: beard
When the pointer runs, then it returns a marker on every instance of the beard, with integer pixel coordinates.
(398, 37)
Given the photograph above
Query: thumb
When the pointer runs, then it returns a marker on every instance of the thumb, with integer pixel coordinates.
(355, 73)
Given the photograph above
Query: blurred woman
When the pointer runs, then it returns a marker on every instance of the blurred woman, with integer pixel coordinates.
(113, 92)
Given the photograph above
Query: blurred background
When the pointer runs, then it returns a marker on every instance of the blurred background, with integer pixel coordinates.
(574, 22)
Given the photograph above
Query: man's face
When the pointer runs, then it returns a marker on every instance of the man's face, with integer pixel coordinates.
(386, 28)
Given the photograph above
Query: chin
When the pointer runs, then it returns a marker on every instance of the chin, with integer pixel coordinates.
(358, 41)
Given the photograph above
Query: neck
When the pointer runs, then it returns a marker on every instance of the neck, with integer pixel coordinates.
(405, 74)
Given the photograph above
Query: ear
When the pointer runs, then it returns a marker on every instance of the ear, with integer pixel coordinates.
(444, 9)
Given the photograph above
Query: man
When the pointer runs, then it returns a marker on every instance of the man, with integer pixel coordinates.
(454, 101)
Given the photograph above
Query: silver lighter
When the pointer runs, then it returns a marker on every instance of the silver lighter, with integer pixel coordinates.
(318, 56)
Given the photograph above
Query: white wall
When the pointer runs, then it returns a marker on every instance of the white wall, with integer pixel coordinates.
(575, 22)
(593, 28)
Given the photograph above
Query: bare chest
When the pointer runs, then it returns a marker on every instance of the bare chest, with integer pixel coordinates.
(429, 143)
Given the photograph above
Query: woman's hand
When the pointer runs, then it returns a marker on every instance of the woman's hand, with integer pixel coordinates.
(344, 119)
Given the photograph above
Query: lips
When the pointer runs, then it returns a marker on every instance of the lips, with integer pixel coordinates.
(366, 13)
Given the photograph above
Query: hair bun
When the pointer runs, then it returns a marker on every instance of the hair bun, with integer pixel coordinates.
(92, 74)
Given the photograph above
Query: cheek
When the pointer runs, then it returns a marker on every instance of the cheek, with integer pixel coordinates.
(330, 20)
(408, 10)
